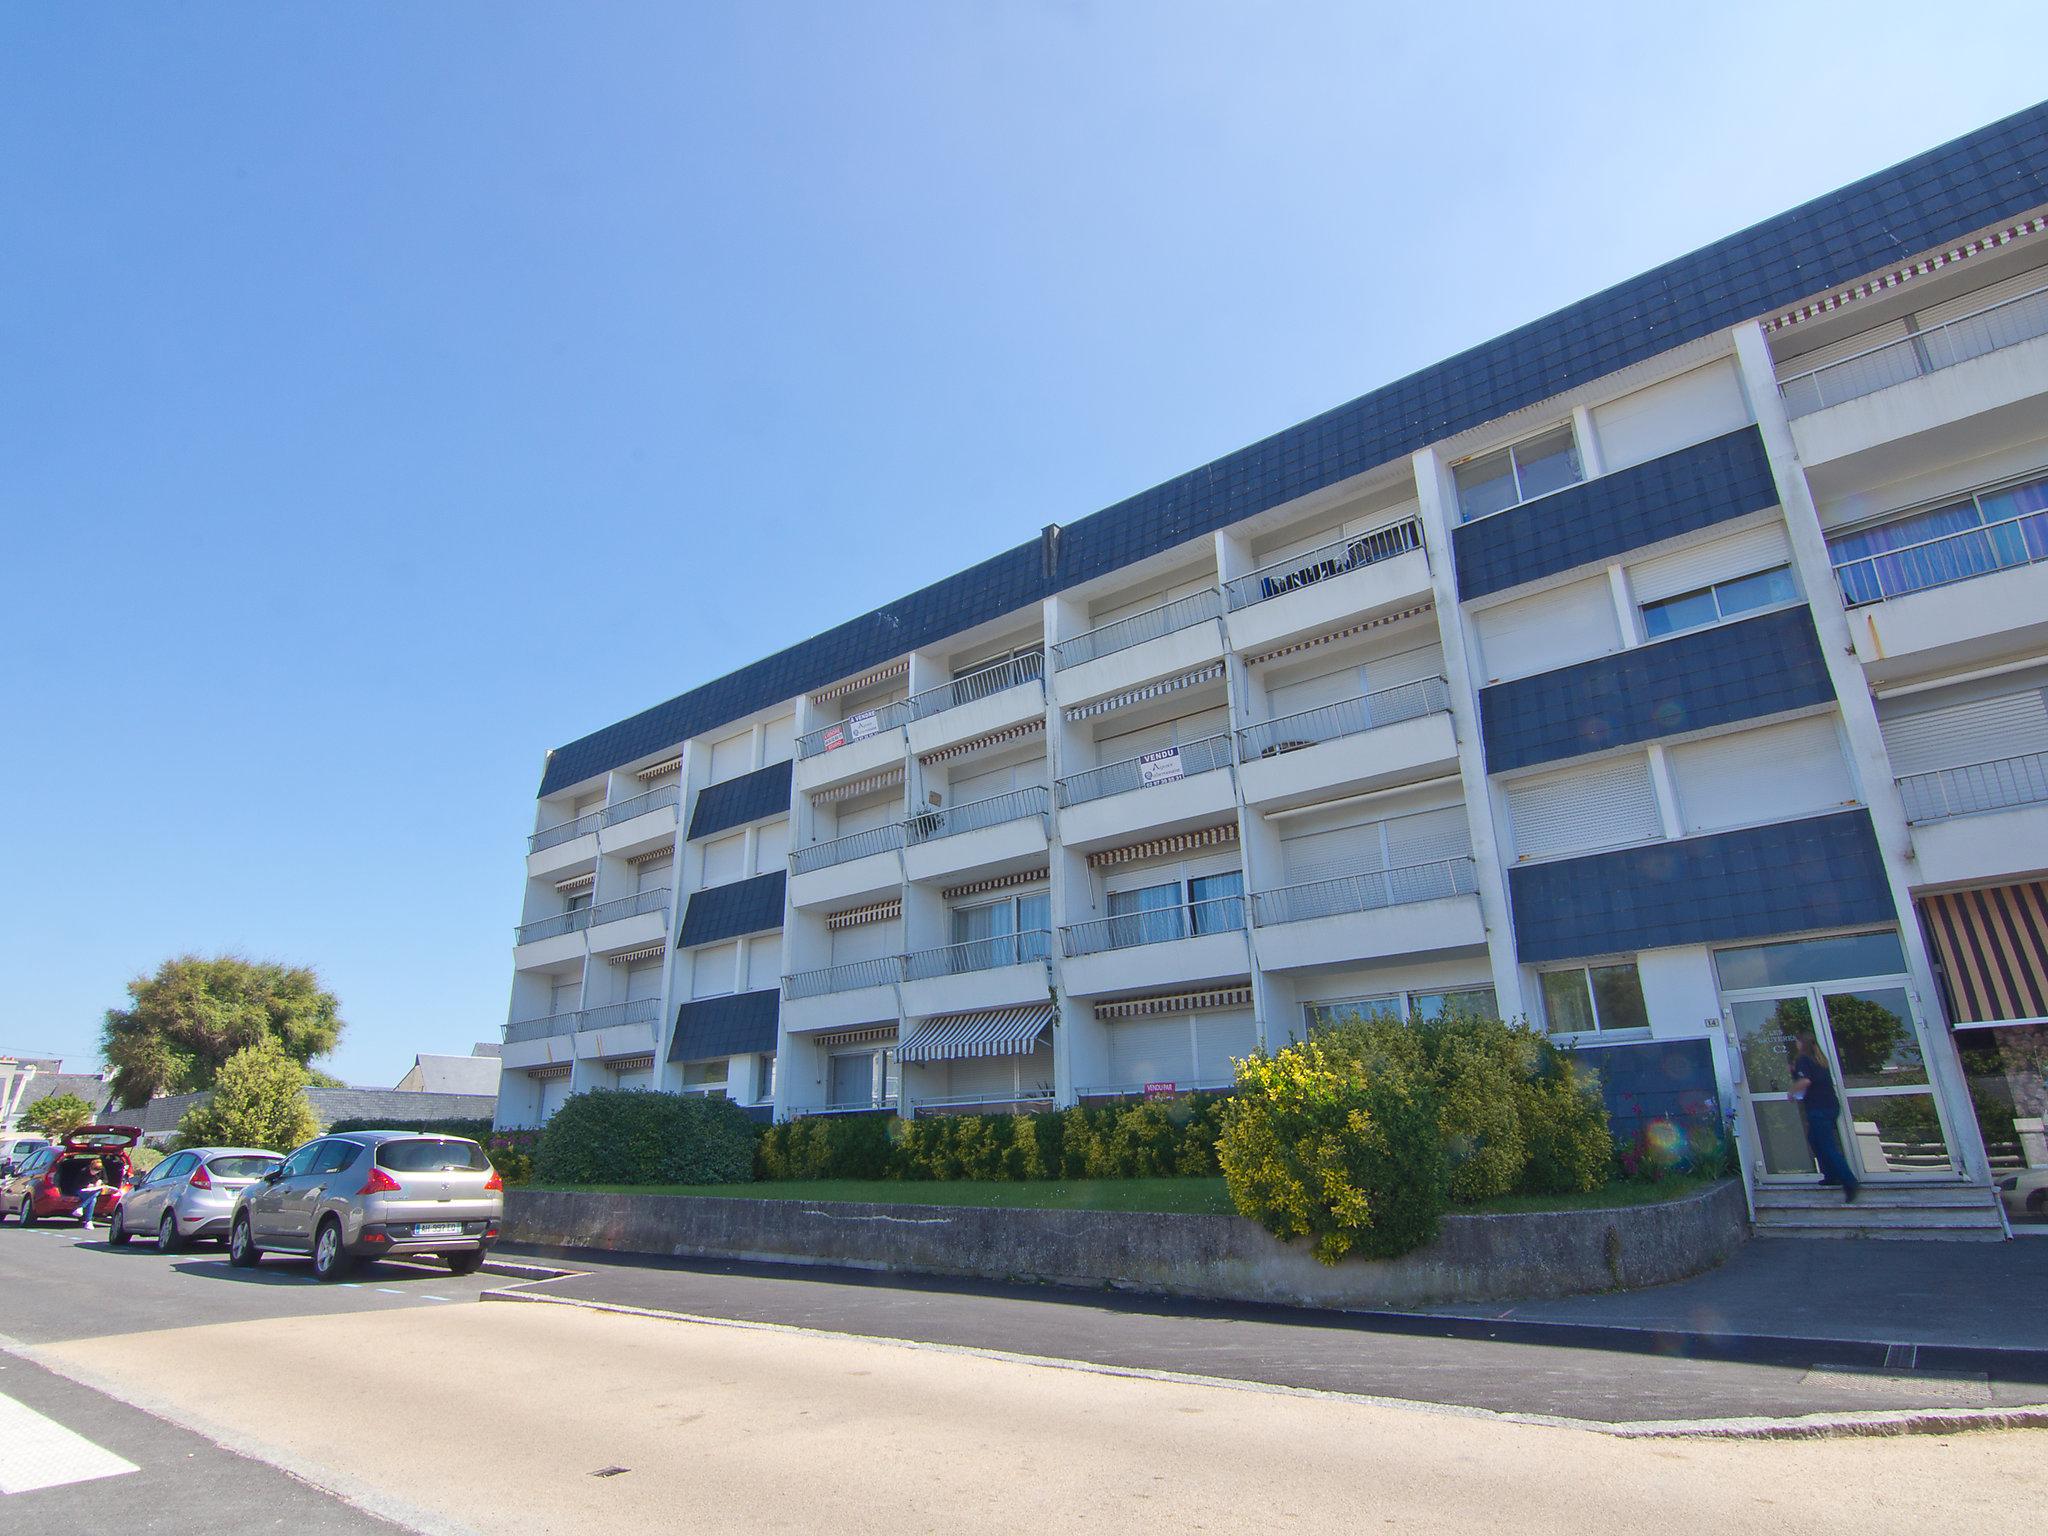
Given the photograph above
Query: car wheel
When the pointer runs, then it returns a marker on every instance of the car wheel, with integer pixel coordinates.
(465, 1263)
(329, 1261)
(2037, 1203)
(167, 1239)
(117, 1231)
(242, 1250)
(28, 1214)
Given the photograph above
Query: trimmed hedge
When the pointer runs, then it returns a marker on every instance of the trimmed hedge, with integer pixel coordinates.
(630, 1136)
(472, 1130)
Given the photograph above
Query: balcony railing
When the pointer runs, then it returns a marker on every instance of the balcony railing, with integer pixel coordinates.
(1365, 892)
(553, 927)
(1040, 1095)
(844, 850)
(858, 726)
(641, 1010)
(1948, 557)
(564, 831)
(979, 684)
(2005, 324)
(855, 1107)
(929, 826)
(640, 805)
(1332, 559)
(1201, 756)
(1347, 717)
(1160, 925)
(1994, 786)
(637, 905)
(1137, 1090)
(1122, 634)
(882, 971)
(988, 954)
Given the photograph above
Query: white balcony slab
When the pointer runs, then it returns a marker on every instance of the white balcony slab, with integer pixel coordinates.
(1405, 752)
(1964, 623)
(1006, 986)
(978, 717)
(856, 1009)
(1165, 656)
(549, 954)
(1143, 967)
(840, 885)
(1199, 801)
(616, 1040)
(638, 834)
(1884, 424)
(1006, 845)
(1413, 928)
(575, 857)
(1982, 848)
(855, 760)
(1336, 600)
(634, 932)
(548, 1051)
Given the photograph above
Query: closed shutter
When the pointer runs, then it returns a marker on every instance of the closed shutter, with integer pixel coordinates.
(984, 786)
(866, 815)
(1674, 414)
(1958, 735)
(564, 995)
(1150, 1051)
(654, 875)
(781, 740)
(1601, 806)
(853, 1078)
(764, 963)
(639, 1080)
(643, 980)
(1427, 837)
(725, 860)
(1406, 667)
(869, 941)
(1313, 693)
(1329, 854)
(1158, 599)
(731, 757)
(553, 1091)
(1688, 570)
(712, 969)
(1981, 298)
(1848, 346)
(771, 847)
(1763, 775)
(1220, 1038)
(1129, 744)
(1551, 629)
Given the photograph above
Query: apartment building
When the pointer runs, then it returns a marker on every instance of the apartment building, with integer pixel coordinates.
(1672, 671)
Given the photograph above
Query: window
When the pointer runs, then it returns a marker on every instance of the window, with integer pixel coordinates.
(764, 1078)
(863, 1079)
(1216, 902)
(1476, 1002)
(713, 970)
(302, 1160)
(705, 1074)
(771, 847)
(175, 1169)
(337, 1155)
(1472, 1002)
(432, 1154)
(1598, 999)
(249, 1167)
(1493, 482)
(1991, 530)
(1723, 600)
(1794, 962)
(577, 902)
(1006, 932)
(725, 860)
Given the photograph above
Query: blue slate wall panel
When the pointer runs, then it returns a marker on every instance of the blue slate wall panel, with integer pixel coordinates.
(750, 797)
(727, 911)
(1655, 1080)
(740, 1025)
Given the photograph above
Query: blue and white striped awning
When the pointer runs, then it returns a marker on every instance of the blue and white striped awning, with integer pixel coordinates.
(997, 1032)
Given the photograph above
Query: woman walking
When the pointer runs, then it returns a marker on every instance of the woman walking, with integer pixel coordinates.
(1813, 1086)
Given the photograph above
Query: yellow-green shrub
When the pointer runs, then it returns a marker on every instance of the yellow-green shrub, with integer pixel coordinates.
(1564, 1121)
(1479, 1066)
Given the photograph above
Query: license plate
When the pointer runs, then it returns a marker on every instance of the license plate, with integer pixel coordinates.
(437, 1229)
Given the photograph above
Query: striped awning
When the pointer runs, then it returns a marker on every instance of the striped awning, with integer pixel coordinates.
(635, 956)
(960, 1036)
(576, 883)
(1159, 847)
(879, 1034)
(1132, 696)
(641, 1063)
(1295, 646)
(860, 917)
(1993, 946)
(662, 769)
(995, 883)
(862, 683)
(548, 1074)
(652, 855)
(889, 778)
(993, 739)
(1174, 1002)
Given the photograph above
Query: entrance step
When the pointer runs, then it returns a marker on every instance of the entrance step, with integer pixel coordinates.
(1955, 1211)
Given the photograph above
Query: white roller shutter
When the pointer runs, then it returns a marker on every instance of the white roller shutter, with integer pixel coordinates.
(866, 815)
(1958, 735)
(771, 847)
(731, 757)
(1150, 1051)
(725, 859)
(643, 980)
(1750, 777)
(1701, 565)
(1404, 667)
(654, 875)
(1427, 837)
(1158, 599)
(1981, 298)
(1552, 629)
(1601, 806)
(553, 1091)
(564, 995)
(1836, 351)
(1332, 853)
(781, 740)
(1670, 415)
(764, 963)
(1219, 1038)
(1314, 692)
(712, 970)
(1128, 744)
(868, 941)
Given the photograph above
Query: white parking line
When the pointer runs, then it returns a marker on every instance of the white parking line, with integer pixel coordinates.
(385, 1290)
(36, 1452)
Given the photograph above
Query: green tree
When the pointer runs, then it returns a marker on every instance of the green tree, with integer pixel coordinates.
(259, 1100)
(57, 1114)
(184, 1022)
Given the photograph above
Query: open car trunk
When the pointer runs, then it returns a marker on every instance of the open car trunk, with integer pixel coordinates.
(74, 1173)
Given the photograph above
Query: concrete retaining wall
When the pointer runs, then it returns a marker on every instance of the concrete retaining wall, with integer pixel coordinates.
(1476, 1258)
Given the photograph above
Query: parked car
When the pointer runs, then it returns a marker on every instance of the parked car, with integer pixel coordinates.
(190, 1196)
(46, 1186)
(372, 1194)
(2025, 1194)
(15, 1150)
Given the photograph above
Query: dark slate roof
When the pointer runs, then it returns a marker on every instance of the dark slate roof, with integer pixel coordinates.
(1976, 180)
(739, 1025)
(160, 1116)
(727, 911)
(89, 1086)
(751, 796)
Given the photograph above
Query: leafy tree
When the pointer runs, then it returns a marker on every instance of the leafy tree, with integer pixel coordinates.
(57, 1114)
(259, 1100)
(196, 1012)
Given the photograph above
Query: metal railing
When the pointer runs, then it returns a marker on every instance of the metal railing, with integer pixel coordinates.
(1365, 892)
(980, 684)
(1122, 634)
(979, 954)
(1160, 925)
(2004, 324)
(640, 805)
(1040, 1095)
(636, 905)
(853, 1107)
(844, 733)
(1319, 564)
(1201, 756)
(1137, 1090)
(1347, 717)
(564, 831)
(1945, 558)
(882, 971)
(844, 850)
(553, 927)
(1994, 786)
(641, 1010)
(929, 826)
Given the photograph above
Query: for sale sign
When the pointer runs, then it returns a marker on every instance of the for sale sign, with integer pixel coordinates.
(1159, 1090)
(1160, 768)
(863, 725)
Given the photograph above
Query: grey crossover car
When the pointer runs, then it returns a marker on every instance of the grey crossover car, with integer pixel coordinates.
(375, 1194)
(190, 1195)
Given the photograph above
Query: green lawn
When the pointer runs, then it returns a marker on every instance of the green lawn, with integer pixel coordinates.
(1198, 1197)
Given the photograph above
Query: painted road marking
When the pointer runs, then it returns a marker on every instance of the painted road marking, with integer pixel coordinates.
(436, 1298)
(36, 1452)
(385, 1290)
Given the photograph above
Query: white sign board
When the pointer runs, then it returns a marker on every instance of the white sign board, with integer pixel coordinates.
(861, 726)
(1160, 768)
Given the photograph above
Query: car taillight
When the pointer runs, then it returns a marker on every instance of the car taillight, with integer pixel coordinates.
(494, 1183)
(380, 1183)
(200, 1178)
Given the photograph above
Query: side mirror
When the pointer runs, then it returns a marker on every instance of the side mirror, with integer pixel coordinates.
(274, 1175)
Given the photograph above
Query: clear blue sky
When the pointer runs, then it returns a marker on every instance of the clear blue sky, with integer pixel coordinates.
(371, 375)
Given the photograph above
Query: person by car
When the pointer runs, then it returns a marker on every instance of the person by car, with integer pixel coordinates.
(52, 1184)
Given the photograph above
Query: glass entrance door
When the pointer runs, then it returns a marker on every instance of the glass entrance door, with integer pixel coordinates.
(1765, 1028)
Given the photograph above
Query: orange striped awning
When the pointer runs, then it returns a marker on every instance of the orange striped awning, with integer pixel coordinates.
(1174, 1002)
(993, 739)
(1993, 947)
(862, 683)
(1296, 646)
(1160, 847)
(860, 917)
(995, 883)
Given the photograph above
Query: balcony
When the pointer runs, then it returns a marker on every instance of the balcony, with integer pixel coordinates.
(865, 742)
(558, 926)
(1418, 908)
(1167, 946)
(645, 821)
(1406, 736)
(854, 976)
(642, 1010)
(629, 922)
(1980, 822)
(1146, 772)
(1319, 590)
(1003, 829)
(1924, 564)
(1003, 971)
(1996, 326)
(846, 868)
(1994, 786)
(1174, 637)
(1122, 800)
(553, 851)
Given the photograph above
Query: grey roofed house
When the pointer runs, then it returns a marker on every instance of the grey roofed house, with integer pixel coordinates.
(23, 1080)
(476, 1073)
(160, 1116)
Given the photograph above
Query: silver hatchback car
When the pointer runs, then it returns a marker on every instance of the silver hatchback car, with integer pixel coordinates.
(372, 1194)
(189, 1195)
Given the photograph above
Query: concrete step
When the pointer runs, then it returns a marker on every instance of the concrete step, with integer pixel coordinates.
(1954, 1211)
(1877, 1197)
(1971, 1233)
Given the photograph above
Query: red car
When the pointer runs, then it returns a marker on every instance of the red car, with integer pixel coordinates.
(46, 1186)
